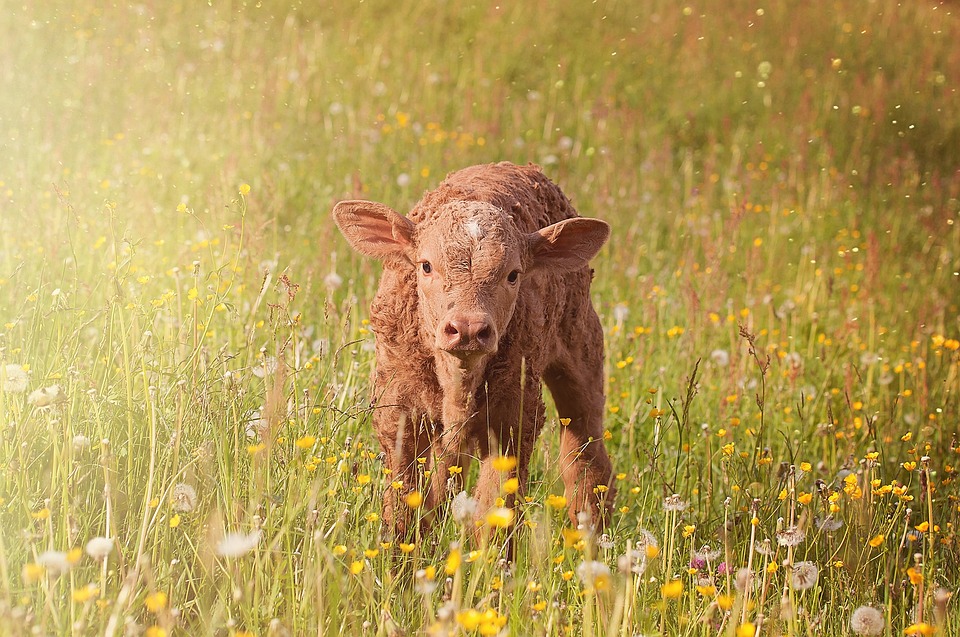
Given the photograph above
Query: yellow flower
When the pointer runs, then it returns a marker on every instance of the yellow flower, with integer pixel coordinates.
(725, 602)
(707, 591)
(500, 517)
(672, 589)
(407, 548)
(511, 486)
(307, 441)
(86, 593)
(922, 628)
(915, 575)
(42, 514)
(688, 530)
(414, 499)
(32, 573)
(155, 631)
(505, 463)
(356, 566)
(453, 561)
(244, 189)
(556, 501)
(876, 540)
(156, 602)
(175, 521)
(923, 527)
(373, 516)
(339, 549)
(455, 471)
(371, 553)
(746, 630)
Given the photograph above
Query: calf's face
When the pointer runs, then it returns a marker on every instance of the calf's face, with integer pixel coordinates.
(471, 262)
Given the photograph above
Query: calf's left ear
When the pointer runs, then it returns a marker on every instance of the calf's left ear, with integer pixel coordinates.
(567, 245)
(374, 229)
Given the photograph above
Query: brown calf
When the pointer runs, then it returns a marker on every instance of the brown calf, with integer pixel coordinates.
(485, 292)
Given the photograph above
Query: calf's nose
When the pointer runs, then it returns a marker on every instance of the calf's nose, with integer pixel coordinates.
(466, 333)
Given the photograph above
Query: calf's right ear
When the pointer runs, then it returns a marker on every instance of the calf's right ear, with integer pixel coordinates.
(373, 229)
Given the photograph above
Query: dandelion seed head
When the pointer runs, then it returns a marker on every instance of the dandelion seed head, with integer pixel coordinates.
(804, 576)
(184, 498)
(56, 562)
(15, 379)
(238, 544)
(744, 579)
(720, 357)
(47, 396)
(99, 548)
(867, 620)
(463, 508)
(594, 574)
(675, 503)
(791, 536)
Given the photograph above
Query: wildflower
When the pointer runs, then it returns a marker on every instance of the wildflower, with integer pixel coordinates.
(594, 575)
(244, 189)
(556, 501)
(672, 589)
(922, 629)
(463, 507)
(674, 503)
(184, 498)
(339, 549)
(805, 575)
(426, 580)
(791, 536)
(505, 463)
(47, 396)
(867, 620)
(500, 517)
(238, 544)
(84, 594)
(406, 547)
(828, 524)
(916, 575)
(332, 281)
(720, 357)
(32, 573)
(414, 499)
(356, 566)
(14, 379)
(511, 486)
(80, 443)
(746, 630)
(605, 541)
(453, 560)
(744, 579)
(306, 442)
(55, 562)
(99, 548)
(707, 554)
(155, 602)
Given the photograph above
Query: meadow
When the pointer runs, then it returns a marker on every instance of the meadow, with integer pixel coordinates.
(185, 363)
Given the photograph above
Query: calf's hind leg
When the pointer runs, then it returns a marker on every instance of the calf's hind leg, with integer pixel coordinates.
(575, 380)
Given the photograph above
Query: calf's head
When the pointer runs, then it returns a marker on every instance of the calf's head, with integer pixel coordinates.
(471, 262)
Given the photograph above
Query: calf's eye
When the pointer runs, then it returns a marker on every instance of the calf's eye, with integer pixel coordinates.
(427, 268)
(513, 276)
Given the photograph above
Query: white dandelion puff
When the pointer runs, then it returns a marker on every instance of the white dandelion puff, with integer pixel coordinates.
(720, 357)
(14, 379)
(463, 508)
(867, 620)
(791, 536)
(99, 548)
(238, 544)
(675, 503)
(47, 396)
(56, 562)
(184, 498)
(804, 575)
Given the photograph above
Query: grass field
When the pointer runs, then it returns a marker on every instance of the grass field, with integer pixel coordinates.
(185, 441)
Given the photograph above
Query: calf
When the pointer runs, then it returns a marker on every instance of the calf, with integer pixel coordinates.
(485, 292)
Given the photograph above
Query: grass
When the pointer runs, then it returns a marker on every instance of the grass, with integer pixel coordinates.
(780, 299)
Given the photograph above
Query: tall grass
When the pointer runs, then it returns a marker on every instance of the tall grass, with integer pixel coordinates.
(185, 362)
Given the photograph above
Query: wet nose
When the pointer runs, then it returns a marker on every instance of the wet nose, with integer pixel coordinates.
(468, 332)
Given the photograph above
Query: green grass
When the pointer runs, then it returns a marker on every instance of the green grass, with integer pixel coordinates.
(780, 297)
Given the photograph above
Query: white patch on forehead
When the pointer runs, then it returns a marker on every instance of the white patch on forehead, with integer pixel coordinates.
(473, 230)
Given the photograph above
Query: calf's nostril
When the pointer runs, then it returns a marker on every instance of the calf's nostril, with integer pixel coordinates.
(451, 330)
(485, 334)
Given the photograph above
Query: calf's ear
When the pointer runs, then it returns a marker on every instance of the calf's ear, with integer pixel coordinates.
(567, 245)
(373, 229)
